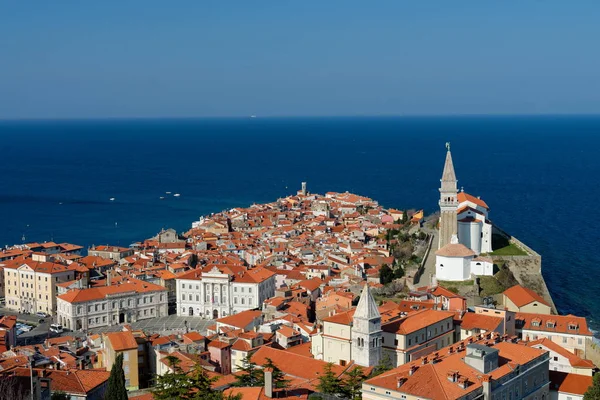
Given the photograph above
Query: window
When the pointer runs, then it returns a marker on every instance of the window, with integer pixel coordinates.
(564, 339)
(579, 341)
(249, 290)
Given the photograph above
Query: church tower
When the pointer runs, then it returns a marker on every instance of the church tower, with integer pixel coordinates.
(448, 202)
(366, 331)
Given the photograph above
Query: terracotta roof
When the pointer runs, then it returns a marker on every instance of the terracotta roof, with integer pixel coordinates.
(415, 321)
(455, 250)
(121, 340)
(101, 292)
(294, 364)
(240, 320)
(574, 359)
(522, 296)
(462, 197)
(539, 322)
(75, 382)
(218, 344)
(570, 383)
(440, 291)
(487, 323)
(430, 380)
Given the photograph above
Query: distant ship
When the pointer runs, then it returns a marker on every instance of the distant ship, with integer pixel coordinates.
(176, 195)
(253, 116)
(162, 197)
(168, 192)
(112, 199)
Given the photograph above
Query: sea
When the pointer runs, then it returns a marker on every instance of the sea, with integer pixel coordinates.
(539, 175)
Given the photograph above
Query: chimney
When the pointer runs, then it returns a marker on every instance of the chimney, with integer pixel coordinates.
(108, 278)
(268, 373)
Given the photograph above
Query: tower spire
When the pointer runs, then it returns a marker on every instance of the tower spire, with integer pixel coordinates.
(448, 176)
(366, 308)
(448, 201)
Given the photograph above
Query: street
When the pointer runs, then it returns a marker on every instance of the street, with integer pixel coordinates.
(171, 324)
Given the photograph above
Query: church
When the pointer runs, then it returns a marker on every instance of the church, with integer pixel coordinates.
(465, 230)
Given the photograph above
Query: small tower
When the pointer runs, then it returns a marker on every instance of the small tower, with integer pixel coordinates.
(448, 202)
(366, 331)
(303, 189)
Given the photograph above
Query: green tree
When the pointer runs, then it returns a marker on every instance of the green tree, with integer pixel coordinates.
(386, 275)
(352, 385)
(116, 389)
(404, 216)
(398, 272)
(195, 385)
(173, 384)
(329, 383)
(58, 395)
(593, 392)
(279, 381)
(385, 364)
(249, 374)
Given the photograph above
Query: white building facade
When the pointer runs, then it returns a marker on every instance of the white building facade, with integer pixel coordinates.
(111, 305)
(453, 261)
(221, 291)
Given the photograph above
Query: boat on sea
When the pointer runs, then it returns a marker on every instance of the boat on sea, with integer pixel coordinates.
(162, 197)
(176, 195)
(167, 192)
(112, 199)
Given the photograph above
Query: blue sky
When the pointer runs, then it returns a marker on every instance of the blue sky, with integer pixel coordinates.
(95, 59)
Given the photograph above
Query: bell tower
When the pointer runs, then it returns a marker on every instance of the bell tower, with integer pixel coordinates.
(366, 331)
(448, 201)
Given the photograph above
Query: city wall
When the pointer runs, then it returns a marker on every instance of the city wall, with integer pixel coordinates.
(527, 270)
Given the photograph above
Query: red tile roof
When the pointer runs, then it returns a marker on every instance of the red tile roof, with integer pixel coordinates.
(560, 323)
(121, 341)
(570, 383)
(522, 296)
(462, 197)
(240, 320)
(487, 323)
(100, 292)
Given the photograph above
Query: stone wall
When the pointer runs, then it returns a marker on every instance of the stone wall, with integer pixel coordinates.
(527, 270)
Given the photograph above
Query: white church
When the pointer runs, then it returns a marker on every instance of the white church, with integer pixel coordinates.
(465, 231)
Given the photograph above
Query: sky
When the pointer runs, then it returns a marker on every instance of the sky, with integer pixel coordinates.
(120, 59)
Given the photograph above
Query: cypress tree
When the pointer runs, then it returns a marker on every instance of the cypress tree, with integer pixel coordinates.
(250, 375)
(116, 389)
(329, 383)
(279, 381)
(593, 392)
(352, 385)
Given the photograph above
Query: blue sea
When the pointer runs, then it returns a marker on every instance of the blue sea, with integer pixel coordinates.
(539, 175)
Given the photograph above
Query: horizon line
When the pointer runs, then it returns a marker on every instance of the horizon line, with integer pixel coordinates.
(299, 116)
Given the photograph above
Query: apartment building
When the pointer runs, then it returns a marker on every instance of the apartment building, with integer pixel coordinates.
(124, 302)
(487, 369)
(31, 284)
